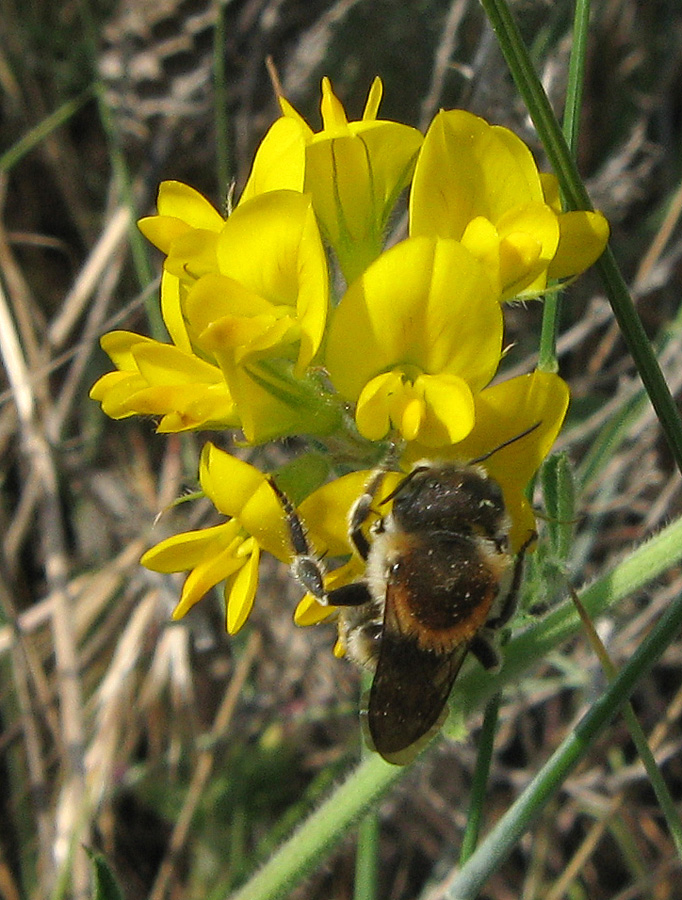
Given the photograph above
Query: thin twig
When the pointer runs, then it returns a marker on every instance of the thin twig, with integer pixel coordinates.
(38, 456)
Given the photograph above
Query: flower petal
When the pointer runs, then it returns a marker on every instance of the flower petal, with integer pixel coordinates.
(584, 236)
(372, 413)
(280, 160)
(468, 168)
(185, 203)
(187, 550)
(205, 576)
(426, 304)
(449, 410)
(227, 481)
(239, 596)
(171, 310)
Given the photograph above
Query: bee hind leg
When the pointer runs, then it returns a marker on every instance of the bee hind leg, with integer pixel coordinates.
(485, 649)
(484, 645)
(507, 611)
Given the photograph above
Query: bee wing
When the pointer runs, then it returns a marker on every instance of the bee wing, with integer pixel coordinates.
(407, 702)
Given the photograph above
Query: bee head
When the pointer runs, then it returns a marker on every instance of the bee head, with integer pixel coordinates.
(449, 498)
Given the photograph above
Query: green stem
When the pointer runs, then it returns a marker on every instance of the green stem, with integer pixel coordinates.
(39, 132)
(479, 784)
(636, 731)
(576, 75)
(367, 858)
(551, 310)
(665, 801)
(308, 847)
(576, 197)
(515, 822)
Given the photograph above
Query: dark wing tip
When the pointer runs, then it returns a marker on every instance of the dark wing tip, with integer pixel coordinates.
(407, 703)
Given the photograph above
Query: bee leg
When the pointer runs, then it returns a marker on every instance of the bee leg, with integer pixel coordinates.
(484, 644)
(485, 649)
(360, 511)
(307, 568)
(511, 601)
(355, 594)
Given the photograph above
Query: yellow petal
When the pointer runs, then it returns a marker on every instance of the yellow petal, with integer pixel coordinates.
(114, 390)
(310, 612)
(164, 364)
(162, 230)
(448, 410)
(355, 178)
(372, 413)
(468, 168)
(171, 310)
(192, 255)
(206, 576)
(185, 203)
(239, 596)
(280, 160)
(187, 550)
(584, 236)
(373, 100)
(227, 481)
(412, 417)
(333, 113)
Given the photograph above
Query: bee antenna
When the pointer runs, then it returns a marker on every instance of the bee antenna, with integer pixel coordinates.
(517, 437)
(401, 484)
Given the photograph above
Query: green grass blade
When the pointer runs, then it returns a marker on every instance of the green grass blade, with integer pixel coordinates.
(516, 821)
(576, 197)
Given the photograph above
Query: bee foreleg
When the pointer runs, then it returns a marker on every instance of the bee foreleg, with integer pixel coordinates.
(360, 512)
(307, 568)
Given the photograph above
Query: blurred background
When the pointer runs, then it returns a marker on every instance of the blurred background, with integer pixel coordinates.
(202, 752)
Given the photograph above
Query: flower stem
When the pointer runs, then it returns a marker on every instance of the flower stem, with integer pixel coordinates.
(576, 197)
(499, 843)
(479, 784)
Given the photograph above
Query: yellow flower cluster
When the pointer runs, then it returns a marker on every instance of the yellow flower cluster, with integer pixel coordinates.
(263, 340)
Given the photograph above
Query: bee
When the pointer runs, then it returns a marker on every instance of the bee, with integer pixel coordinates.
(439, 582)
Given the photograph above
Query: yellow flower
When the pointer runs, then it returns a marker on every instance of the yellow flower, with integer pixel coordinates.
(270, 291)
(261, 315)
(582, 234)
(414, 339)
(229, 552)
(162, 380)
(245, 301)
(478, 183)
(186, 229)
(354, 171)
